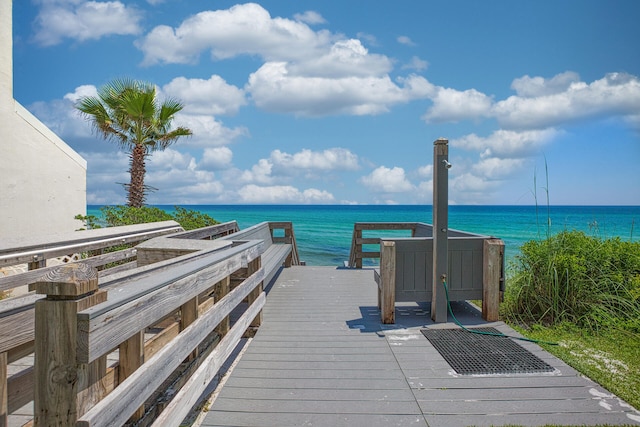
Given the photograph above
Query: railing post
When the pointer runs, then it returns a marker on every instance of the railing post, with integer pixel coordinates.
(358, 251)
(188, 315)
(221, 289)
(38, 262)
(288, 234)
(441, 167)
(493, 254)
(131, 357)
(4, 396)
(252, 268)
(58, 378)
(388, 281)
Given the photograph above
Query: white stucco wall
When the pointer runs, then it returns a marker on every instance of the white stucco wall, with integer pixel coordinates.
(42, 180)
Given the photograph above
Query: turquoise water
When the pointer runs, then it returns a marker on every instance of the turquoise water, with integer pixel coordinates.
(323, 232)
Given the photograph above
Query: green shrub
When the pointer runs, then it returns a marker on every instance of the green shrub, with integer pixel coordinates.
(113, 216)
(190, 219)
(572, 277)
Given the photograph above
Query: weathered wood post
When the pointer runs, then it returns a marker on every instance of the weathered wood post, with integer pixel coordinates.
(221, 289)
(254, 266)
(387, 299)
(493, 255)
(358, 248)
(58, 376)
(4, 397)
(441, 167)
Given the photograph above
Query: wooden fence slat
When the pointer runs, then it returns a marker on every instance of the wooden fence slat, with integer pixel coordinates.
(20, 389)
(189, 394)
(116, 407)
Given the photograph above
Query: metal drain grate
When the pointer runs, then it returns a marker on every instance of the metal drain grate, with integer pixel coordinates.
(475, 354)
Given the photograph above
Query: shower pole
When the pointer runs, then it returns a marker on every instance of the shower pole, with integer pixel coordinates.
(441, 168)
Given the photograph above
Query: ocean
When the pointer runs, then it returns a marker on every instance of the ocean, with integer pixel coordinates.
(323, 232)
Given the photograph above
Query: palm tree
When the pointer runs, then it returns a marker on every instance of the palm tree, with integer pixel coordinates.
(128, 112)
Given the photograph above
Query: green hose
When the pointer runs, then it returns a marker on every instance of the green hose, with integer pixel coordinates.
(500, 334)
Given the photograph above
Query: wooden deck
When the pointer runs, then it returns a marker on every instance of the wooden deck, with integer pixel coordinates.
(322, 357)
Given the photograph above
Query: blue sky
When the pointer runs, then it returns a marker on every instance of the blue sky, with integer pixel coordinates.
(339, 102)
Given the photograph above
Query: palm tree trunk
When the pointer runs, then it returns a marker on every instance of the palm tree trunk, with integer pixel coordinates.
(137, 171)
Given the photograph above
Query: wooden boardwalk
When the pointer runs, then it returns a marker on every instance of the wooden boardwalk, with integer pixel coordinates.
(322, 357)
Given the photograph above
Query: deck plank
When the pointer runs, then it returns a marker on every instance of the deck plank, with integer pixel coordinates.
(322, 357)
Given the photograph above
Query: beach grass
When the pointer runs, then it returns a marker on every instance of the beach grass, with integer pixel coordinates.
(611, 358)
(582, 292)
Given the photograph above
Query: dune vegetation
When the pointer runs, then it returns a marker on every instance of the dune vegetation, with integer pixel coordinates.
(582, 292)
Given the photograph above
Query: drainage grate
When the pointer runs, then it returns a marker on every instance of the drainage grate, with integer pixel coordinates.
(476, 354)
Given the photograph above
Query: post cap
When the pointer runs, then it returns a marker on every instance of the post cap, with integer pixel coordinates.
(71, 280)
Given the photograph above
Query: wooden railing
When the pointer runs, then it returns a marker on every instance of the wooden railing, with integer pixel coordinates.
(37, 250)
(17, 311)
(166, 326)
(357, 254)
(288, 238)
(405, 273)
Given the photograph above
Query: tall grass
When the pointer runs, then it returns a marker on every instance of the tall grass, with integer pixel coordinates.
(571, 277)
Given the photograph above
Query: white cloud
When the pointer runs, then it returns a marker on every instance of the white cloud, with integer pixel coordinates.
(425, 171)
(60, 116)
(326, 160)
(244, 29)
(105, 172)
(615, 94)
(207, 131)
(470, 184)
(107, 168)
(310, 17)
(495, 168)
(369, 38)
(506, 143)
(281, 166)
(213, 96)
(179, 178)
(80, 92)
(451, 105)
(216, 158)
(306, 73)
(542, 103)
(283, 194)
(260, 173)
(416, 64)
(531, 87)
(273, 88)
(405, 40)
(343, 59)
(385, 180)
(84, 20)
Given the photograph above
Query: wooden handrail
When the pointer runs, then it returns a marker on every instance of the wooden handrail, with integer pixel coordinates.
(289, 238)
(181, 299)
(38, 249)
(356, 254)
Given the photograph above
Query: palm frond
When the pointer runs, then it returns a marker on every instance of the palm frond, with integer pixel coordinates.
(128, 112)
